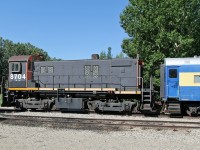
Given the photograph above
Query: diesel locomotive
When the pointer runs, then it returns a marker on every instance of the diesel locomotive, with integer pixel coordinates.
(114, 85)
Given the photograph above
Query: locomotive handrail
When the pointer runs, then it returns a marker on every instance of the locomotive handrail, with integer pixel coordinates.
(85, 84)
(142, 87)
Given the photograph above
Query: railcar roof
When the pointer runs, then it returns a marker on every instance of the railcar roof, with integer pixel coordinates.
(182, 61)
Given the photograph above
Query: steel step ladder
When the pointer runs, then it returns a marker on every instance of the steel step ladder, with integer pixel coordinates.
(147, 105)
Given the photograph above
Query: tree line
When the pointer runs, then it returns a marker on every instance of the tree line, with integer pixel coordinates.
(108, 55)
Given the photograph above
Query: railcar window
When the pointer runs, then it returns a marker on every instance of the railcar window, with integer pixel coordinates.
(42, 69)
(15, 67)
(50, 69)
(173, 73)
(196, 78)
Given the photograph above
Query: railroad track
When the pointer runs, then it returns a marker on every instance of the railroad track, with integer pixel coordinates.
(96, 124)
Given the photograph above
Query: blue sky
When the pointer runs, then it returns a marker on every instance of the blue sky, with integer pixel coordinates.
(67, 29)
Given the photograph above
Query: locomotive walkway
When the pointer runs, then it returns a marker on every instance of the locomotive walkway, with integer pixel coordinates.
(94, 123)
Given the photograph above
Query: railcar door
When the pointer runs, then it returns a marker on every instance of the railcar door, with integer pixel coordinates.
(172, 82)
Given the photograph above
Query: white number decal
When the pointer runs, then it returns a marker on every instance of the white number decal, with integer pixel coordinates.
(23, 76)
(11, 76)
(17, 76)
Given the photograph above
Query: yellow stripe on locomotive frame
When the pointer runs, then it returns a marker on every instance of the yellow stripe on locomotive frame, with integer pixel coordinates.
(77, 89)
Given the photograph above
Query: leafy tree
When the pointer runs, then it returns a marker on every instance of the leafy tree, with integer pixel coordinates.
(1, 56)
(103, 55)
(109, 54)
(120, 55)
(161, 28)
(55, 59)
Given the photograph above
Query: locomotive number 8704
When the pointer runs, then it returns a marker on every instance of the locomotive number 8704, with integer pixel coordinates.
(77, 85)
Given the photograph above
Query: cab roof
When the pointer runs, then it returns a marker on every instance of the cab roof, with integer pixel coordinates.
(20, 58)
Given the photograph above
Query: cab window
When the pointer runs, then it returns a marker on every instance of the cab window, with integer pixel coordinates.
(15, 67)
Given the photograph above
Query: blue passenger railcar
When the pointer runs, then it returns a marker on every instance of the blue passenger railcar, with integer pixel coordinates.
(180, 85)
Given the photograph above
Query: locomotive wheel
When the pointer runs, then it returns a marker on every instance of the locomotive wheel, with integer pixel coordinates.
(52, 107)
(97, 111)
(33, 109)
(91, 105)
(129, 112)
(47, 107)
(23, 109)
(191, 114)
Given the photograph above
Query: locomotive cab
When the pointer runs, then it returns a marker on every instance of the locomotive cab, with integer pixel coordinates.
(20, 71)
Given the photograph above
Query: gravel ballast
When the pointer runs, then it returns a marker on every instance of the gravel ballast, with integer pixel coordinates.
(24, 137)
(20, 137)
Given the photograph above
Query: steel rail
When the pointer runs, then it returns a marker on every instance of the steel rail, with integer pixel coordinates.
(105, 122)
(101, 119)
